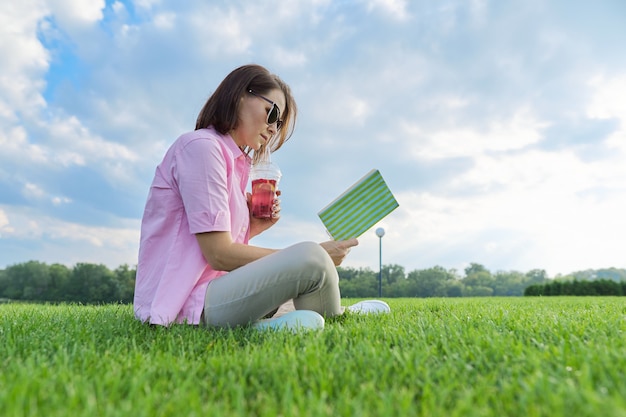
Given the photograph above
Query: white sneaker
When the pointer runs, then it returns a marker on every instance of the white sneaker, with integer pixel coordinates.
(369, 306)
(294, 321)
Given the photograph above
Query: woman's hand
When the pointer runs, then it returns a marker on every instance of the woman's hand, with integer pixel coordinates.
(258, 226)
(339, 249)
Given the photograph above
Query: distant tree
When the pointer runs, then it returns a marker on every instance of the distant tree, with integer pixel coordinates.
(393, 273)
(534, 290)
(347, 273)
(478, 291)
(454, 288)
(358, 283)
(612, 274)
(509, 283)
(432, 282)
(474, 268)
(124, 278)
(587, 287)
(59, 280)
(4, 283)
(91, 283)
(536, 276)
(27, 281)
(478, 281)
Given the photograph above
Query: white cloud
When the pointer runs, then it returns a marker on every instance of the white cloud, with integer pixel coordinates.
(78, 140)
(228, 34)
(26, 60)
(4, 222)
(166, 21)
(118, 7)
(608, 102)
(68, 242)
(35, 192)
(15, 146)
(521, 130)
(72, 13)
(32, 191)
(395, 8)
(290, 58)
(146, 4)
(57, 201)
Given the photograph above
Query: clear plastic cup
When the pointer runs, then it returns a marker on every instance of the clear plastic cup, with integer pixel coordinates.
(265, 177)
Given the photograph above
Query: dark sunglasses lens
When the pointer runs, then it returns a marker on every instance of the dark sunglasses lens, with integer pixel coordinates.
(272, 116)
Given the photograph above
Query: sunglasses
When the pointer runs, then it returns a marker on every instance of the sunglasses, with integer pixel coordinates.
(273, 114)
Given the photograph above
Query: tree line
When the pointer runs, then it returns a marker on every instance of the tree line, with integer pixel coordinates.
(476, 281)
(84, 283)
(595, 287)
(91, 283)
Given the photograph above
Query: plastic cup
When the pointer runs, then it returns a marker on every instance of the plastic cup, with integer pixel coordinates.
(265, 177)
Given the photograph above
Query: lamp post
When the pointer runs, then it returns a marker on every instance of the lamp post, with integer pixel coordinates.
(380, 232)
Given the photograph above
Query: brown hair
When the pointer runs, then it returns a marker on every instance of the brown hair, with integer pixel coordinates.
(222, 109)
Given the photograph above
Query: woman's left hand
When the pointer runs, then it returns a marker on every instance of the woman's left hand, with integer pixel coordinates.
(258, 226)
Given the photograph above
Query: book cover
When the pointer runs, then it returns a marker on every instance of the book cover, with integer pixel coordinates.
(360, 207)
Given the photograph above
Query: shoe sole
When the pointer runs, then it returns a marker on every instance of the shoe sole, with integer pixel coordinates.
(370, 307)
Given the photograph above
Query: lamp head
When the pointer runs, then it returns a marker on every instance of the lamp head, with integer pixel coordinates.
(380, 232)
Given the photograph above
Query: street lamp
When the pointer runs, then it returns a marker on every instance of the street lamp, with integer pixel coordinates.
(380, 232)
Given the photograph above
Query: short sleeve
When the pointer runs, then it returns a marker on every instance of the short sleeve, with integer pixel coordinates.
(202, 174)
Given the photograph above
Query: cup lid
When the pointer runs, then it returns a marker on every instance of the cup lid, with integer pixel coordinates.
(267, 170)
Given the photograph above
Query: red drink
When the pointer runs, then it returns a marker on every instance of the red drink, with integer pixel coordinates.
(263, 195)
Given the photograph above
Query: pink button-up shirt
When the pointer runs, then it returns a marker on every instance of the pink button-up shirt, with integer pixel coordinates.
(200, 186)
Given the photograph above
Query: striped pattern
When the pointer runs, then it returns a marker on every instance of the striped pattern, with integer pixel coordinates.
(359, 208)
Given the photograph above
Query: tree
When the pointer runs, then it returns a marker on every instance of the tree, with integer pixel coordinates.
(430, 282)
(59, 280)
(478, 281)
(4, 283)
(474, 268)
(536, 276)
(393, 273)
(358, 283)
(91, 283)
(125, 283)
(509, 283)
(454, 288)
(27, 281)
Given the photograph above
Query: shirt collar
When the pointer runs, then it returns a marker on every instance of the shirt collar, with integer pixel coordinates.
(232, 146)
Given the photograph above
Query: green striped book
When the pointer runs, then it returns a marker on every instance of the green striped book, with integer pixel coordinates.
(359, 207)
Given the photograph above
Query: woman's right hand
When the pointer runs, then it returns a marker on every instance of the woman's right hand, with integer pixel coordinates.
(339, 249)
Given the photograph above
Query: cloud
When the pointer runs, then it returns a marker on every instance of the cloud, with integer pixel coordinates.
(112, 246)
(608, 100)
(76, 13)
(395, 8)
(4, 223)
(27, 60)
(522, 130)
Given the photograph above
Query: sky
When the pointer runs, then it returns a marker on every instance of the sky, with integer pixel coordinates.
(500, 126)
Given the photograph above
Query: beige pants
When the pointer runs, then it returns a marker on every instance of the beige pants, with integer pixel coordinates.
(303, 272)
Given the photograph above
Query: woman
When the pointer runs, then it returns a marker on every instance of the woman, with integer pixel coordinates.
(195, 263)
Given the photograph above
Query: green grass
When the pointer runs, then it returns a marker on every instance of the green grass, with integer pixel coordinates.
(433, 357)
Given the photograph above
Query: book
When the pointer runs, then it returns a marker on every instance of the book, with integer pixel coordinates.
(360, 207)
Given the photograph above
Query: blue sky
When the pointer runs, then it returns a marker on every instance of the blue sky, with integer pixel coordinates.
(499, 125)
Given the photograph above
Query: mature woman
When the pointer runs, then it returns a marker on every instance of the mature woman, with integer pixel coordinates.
(195, 261)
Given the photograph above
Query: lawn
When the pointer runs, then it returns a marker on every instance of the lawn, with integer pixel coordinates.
(561, 356)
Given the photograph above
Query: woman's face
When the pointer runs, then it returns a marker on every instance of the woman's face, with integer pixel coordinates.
(252, 129)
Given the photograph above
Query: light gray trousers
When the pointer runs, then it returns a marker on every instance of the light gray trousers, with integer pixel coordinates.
(303, 272)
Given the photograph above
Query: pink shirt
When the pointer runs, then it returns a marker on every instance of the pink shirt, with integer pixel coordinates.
(200, 186)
